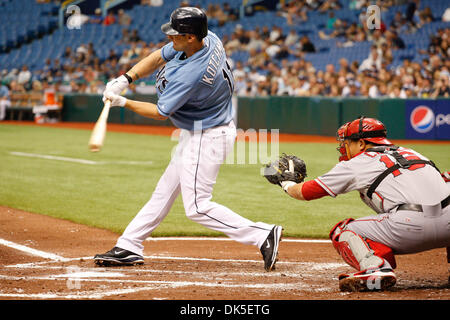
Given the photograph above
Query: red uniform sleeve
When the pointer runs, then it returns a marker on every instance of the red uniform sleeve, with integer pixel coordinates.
(312, 190)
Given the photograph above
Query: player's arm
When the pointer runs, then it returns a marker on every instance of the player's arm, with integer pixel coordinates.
(143, 68)
(146, 109)
(308, 190)
(147, 66)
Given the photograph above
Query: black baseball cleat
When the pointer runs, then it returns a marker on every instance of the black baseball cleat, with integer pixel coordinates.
(269, 249)
(118, 257)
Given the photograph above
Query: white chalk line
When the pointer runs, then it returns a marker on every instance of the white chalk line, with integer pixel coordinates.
(305, 267)
(148, 285)
(157, 257)
(228, 239)
(98, 276)
(77, 160)
(34, 252)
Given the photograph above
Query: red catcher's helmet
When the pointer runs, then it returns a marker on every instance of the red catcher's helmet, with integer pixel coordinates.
(368, 129)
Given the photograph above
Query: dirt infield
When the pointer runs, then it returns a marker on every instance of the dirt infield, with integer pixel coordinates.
(47, 258)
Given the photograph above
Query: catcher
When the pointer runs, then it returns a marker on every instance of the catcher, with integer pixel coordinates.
(406, 190)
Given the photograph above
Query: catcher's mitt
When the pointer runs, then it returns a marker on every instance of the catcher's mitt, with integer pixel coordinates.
(286, 168)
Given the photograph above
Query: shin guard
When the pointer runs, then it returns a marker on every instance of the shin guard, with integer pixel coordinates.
(354, 249)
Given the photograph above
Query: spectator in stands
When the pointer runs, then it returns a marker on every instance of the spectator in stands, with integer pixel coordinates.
(231, 13)
(330, 21)
(442, 87)
(262, 87)
(407, 91)
(295, 12)
(344, 66)
(249, 90)
(233, 44)
(446, 15)
(372, 84)
(330, 5)
(220, 15)
(339, 29)
(126, 38)
(373, 61)
(353, 89)
(292, 38)
(398, 22)
(109, 19)
(134, 37)
(393, 40)
(257, 58)
(283, 52)
(112, 55)
(271, 48)
(67, 53)
(15, 87)
(411, 11)
(97, 18)
(5, 100)
(425, 16)
(24, 76)
(276, 34)
(123, 18)
(306, 45)
(265, 32)
(442, 48)
(425, 89)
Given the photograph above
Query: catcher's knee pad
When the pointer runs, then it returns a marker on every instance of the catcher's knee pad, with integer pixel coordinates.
(356, 251)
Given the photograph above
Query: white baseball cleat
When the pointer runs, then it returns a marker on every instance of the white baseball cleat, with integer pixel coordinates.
(367, 280)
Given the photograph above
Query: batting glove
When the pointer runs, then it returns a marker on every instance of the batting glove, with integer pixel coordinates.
(116, 86)
(116, 100)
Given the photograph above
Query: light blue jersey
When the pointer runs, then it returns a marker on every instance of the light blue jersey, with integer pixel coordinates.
(196, 89)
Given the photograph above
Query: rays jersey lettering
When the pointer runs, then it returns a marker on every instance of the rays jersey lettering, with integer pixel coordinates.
(161, 80)
(197, 88)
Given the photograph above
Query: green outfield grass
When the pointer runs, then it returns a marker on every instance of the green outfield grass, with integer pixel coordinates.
(110, 193)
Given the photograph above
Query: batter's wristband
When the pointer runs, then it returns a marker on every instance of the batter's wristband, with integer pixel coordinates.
(130, 80)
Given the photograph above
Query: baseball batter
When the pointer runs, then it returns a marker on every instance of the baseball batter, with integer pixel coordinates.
(194, 86)
(406, 190)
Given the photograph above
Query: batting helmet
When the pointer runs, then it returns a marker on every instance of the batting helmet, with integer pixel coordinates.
(368, 129)
(187, 20)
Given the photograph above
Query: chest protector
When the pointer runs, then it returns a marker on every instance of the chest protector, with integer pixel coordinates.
(400, 162)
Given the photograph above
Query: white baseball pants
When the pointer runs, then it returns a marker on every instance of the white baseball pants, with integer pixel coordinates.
(192, 171)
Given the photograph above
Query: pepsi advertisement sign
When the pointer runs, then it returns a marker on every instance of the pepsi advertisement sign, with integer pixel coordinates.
(428, 119)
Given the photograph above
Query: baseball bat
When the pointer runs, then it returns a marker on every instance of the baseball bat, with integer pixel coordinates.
(99, 131)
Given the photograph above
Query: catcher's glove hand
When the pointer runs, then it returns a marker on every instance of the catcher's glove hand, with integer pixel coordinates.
(286, 168)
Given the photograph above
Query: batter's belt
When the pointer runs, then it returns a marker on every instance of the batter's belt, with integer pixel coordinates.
(418, 207)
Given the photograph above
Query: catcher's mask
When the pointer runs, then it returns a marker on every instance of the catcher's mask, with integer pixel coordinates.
(368, 129)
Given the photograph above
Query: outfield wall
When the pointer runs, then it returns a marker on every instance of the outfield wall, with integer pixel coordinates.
(404, 118)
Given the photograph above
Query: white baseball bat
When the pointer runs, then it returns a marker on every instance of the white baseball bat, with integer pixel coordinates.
(99, 131)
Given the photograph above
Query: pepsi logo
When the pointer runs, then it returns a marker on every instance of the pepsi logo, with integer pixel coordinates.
(422, 119)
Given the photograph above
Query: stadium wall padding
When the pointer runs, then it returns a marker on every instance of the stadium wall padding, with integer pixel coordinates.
(296, 115)
(318, 115)
(87, 108)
